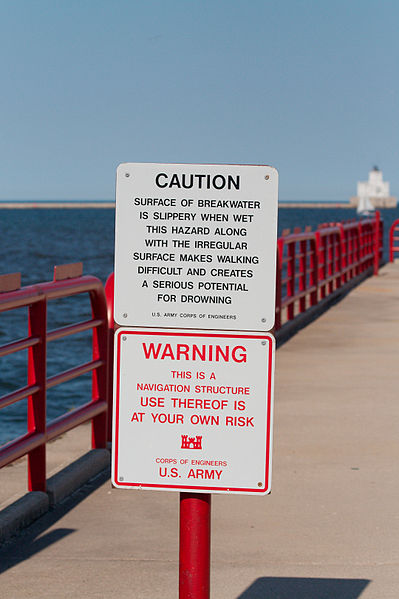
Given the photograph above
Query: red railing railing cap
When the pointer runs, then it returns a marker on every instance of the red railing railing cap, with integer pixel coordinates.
(394, 225)
(9, 300)
(329, 229)
(293, 237)
(71, 286)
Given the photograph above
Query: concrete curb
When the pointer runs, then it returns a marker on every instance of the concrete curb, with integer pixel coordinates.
(76, 474)
(21, 513)
(31, 506)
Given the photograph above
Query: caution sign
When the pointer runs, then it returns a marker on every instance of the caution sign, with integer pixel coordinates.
(193, 411)
(195, 246)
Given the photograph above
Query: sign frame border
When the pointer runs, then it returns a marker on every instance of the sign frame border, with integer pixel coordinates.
(262, 336)
(147, 322)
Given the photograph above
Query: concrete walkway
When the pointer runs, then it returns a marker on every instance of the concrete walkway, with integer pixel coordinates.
(328, 531)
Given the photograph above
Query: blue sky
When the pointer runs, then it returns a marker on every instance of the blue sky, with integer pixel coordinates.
(310, 87)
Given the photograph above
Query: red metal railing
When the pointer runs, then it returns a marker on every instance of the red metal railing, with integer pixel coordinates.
(393, 238)
(35, 298)
(313, 265)
(310, 267)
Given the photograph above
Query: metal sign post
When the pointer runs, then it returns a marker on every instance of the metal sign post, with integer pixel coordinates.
(195, 546)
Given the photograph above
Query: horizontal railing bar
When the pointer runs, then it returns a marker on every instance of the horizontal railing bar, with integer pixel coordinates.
(11, 348)
(69, 287)
(74, 418)
(26, 443)
(285, 281)
(22, 393)
(73, 373)
(20, 298)
(293, 237)
(329, 236)
(19, 447)
(290, 299)
(329, 262)
(329, 279)
(286, 259)
(79, 327)
(299, 254)
(297, 276)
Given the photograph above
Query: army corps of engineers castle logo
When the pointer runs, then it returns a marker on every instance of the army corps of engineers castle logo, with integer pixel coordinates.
(191, 442)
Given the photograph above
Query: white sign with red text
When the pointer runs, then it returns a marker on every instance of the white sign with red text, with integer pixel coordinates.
(193, 411)
(195, 246)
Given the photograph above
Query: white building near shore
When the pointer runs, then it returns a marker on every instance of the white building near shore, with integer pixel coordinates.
(376, 189)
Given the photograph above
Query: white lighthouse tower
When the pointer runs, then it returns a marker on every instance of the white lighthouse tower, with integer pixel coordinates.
(376, 190)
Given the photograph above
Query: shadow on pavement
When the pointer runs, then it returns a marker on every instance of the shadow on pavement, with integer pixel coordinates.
(304, 588)
(32, 540)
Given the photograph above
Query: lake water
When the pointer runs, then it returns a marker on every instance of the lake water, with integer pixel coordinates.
(33, 241)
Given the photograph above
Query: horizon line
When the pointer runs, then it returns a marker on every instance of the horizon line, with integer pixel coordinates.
(113, 200)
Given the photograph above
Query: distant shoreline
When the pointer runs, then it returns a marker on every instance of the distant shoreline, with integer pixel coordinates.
(315, 205)
(17, 205)
(93, 204)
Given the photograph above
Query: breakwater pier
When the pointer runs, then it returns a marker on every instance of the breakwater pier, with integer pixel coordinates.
(329, 528)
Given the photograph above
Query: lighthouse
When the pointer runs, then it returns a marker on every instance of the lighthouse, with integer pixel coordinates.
(376, 189)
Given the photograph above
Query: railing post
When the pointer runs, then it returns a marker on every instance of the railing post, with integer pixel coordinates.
(291, 278)
(279, 274)
(314, 270)
(109, 294)
(37, 375)
(392, 239)
(391, 231)
(330, 258)
(320, 266)
(362, 266)
(195, 545)
(303, 272)
(100, 388)
(377, 242)
(343, 262)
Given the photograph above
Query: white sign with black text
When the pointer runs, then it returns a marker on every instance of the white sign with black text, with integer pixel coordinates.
(193, 411)
(195, 246)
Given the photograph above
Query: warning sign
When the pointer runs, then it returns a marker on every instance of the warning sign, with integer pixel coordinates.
(195, 246)
(193, 411)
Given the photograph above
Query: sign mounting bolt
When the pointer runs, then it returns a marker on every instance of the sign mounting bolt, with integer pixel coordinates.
(259, 484)
(263, 319)
(127, 174)
(125, 315)
(263, 342)
(124, 338)
(267, 177)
